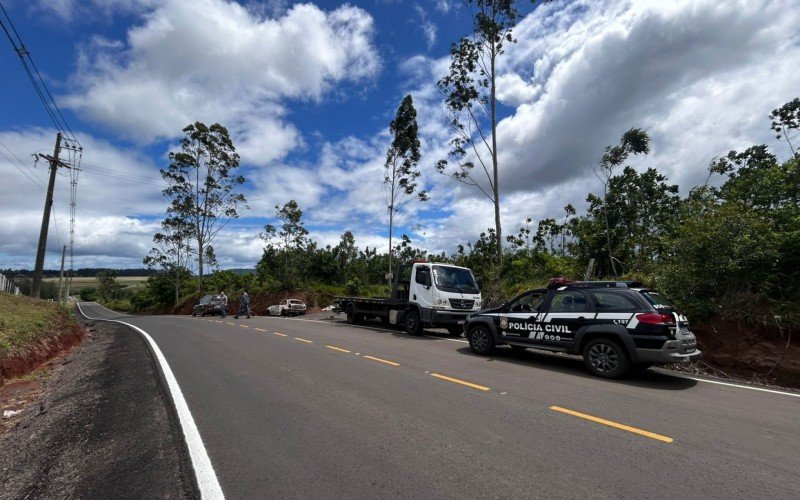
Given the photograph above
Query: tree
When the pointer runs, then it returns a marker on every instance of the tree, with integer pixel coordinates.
(292, 237)
(172, 251)
(400, 172)
(786, 119)
(634, 141)
(202, 179)
(109, 288)
(469, 88)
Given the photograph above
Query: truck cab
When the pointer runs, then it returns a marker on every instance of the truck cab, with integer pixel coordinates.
(423, 294)
(440, 295)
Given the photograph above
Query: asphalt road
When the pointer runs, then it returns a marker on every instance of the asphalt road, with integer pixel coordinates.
(295, 408)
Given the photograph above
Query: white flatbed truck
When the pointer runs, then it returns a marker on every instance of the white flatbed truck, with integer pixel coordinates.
(431, 295)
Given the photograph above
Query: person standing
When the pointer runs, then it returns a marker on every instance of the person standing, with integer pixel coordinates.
(223, 304)
(244, 307)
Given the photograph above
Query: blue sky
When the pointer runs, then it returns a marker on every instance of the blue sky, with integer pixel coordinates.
(308, 89)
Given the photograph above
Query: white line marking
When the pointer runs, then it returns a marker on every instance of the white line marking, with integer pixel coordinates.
(740, 386)
(203, 470)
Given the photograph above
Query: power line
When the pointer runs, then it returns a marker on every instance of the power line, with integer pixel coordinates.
(34, 180)
(53, 111)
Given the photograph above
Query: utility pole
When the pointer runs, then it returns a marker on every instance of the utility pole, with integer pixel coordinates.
(61, 274)
(48, 203)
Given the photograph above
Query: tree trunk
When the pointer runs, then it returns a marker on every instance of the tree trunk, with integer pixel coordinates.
(496, 186)
(200, 266)
(391, 221)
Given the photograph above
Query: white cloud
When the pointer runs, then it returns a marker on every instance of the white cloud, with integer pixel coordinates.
(426, 25)
(700, 76)
(215, 61)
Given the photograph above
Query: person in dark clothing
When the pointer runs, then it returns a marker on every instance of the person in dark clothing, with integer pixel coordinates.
(244, 305)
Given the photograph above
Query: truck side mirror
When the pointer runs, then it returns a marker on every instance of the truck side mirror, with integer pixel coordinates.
(428, 282)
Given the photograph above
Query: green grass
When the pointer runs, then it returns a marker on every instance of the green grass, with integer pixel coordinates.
(24, 321)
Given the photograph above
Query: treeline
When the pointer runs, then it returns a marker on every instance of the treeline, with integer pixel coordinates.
(86, 272)
(727, 248)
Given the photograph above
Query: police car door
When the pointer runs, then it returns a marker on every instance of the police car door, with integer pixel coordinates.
(521, 319)
(567, 312)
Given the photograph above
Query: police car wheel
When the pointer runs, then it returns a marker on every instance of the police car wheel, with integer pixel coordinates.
(605, 358)
(412, 324)
(480, 340)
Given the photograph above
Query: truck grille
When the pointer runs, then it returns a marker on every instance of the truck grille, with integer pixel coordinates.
(461, 303)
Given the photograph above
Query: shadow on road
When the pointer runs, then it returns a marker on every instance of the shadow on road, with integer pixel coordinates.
(573, 365)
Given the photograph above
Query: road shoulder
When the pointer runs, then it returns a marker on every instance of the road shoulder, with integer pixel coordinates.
(103, 428)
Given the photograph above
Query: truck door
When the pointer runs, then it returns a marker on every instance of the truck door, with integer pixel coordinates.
(421, 291)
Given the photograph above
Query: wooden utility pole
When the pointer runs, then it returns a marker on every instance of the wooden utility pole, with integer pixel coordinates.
(48, 203)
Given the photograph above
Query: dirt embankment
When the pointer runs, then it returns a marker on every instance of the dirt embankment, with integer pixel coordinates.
(742, 350)
(31, 332)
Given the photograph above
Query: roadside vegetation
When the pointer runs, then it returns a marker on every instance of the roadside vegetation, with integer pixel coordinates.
(31, 331)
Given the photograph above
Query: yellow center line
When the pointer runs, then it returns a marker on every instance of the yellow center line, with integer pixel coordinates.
(244, 326)
(217, 321)
(280, 334)
(379, 360)
(231, 323)
(610, 423)
(462, 382)
(259, 329)
(304, 340)
(337, 348)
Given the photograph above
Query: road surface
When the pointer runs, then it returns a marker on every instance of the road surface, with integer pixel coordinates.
(297, 408)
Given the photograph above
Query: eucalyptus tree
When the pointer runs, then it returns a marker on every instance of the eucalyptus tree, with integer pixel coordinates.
(633, 142)
(291, 237)
(172, 252)
(400, 169)
(470, 99)
(202, 179)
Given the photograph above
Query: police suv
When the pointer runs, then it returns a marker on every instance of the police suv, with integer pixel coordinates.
(614, 325)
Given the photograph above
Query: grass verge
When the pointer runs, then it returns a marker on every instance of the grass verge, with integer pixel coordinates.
(31, 331)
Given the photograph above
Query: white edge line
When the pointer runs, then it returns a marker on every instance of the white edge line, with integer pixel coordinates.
(740, 386)
(204, 473)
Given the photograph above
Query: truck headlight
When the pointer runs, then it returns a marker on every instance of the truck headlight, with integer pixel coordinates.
(478, 304)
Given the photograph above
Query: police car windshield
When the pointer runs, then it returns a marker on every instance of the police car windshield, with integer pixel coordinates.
(454, 279)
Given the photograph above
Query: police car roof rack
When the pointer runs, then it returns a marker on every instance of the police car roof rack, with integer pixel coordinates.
(563, 282)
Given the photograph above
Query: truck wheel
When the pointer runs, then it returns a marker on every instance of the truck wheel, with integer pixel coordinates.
(411, 322)
(352, 317)
(283, 312)
(480, 340)
(455, 331)
(605, 358)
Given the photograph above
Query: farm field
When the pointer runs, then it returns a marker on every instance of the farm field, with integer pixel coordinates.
(81, 282)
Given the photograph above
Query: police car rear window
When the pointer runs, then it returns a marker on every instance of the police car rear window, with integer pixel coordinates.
(612, 302)
(658, 301)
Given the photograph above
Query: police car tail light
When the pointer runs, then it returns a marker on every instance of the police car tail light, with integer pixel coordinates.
(655, 319)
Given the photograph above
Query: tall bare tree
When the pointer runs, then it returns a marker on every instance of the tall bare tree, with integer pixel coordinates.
(202, 178)
(470, 99)
(400, 170)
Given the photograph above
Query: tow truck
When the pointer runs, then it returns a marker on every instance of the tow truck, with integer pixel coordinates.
(424, 294)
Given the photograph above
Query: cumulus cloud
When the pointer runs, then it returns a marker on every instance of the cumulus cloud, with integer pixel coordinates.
(216, 61)
(700, 76)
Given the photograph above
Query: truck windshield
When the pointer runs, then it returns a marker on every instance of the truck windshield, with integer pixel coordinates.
(454, 279)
